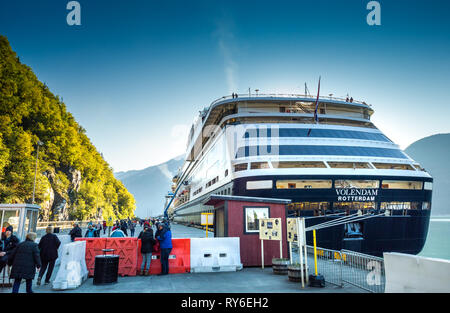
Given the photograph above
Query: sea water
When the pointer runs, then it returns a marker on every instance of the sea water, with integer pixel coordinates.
(437, 244)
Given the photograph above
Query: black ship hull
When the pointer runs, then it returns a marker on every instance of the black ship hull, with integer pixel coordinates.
(402, 231)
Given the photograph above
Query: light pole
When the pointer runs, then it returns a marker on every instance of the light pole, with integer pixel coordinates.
(39, 143)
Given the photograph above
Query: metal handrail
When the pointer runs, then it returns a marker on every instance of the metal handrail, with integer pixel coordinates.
(265, 95)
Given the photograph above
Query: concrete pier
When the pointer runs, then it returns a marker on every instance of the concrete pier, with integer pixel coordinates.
(248, 280)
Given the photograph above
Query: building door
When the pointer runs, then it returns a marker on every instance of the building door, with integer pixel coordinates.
(219, 223)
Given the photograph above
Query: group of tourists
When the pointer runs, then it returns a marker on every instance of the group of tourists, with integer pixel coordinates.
(27, 256)
(161, 242)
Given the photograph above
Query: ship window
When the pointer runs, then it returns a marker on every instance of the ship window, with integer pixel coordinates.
(259, 184)
(426, 206)
(240, 167)
(353, 230)
(317, 133)
(298, 164)
(303, 184)
(346, 206)
(349, 165)
(252, 217)
(319, 208)
(400, 205)
(428, 185)
(345, 183)
(247, 151)
(400, 184)
(393, 166)
(259, 165)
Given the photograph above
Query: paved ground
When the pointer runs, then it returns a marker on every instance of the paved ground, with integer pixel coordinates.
(248, 280)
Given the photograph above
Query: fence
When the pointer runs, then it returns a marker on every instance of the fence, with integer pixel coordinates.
(338, 267)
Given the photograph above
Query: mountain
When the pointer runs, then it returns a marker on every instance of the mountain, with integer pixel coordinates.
(73, 181)
(150, 185)
(433, 154)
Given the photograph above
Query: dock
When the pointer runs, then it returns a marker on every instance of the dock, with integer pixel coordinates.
(247, 280)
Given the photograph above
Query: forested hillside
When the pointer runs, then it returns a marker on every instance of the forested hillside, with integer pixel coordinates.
(73, 179)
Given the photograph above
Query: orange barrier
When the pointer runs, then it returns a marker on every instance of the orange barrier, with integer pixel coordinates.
(125, 247)
(179, 258)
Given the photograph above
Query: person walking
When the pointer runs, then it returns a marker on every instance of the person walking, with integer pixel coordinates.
(147, 242)
(165, 243)
(10, 242)
(117, 233)
(99, 228)
(48, 246)
(132, 228)
(90, 232)
(75, 232)
(25, 259)
(123, 227)
(104, 227)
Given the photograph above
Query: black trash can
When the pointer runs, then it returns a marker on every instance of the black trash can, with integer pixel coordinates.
(106, 269)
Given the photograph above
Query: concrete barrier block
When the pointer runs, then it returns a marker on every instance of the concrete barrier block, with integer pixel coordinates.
(411, 273)
(72, 271)
(215, 255)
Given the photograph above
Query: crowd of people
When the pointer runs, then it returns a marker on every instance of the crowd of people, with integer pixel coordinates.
(27, 256)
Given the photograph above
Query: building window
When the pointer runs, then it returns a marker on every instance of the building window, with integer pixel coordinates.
(252, 217)
(226, 172)
(298, 164)
(345, 183)
(240, 167)
(400, 184)
(393, 166)
(259, 165)
(259, 184)
(349, 165)
(303, 184)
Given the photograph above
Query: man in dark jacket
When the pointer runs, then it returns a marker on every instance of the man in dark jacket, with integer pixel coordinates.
(48, 247)
(165, 243)
(75, 232)
(123, 227)
(25, 260)
(10, 242)
(147, 242)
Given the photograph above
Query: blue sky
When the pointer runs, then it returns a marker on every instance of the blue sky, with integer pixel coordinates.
(135, 73)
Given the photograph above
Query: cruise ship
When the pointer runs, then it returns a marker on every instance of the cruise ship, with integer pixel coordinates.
(324, 154)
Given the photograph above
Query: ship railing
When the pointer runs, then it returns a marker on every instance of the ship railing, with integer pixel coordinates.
(278, 95)
(346, 267)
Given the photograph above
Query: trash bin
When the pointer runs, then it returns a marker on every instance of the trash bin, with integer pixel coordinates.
(106, 269)
(56, 230)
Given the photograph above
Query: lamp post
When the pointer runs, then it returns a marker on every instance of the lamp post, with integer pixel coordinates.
(39, 143)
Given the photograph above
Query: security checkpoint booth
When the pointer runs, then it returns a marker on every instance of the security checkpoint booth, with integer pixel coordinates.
(22, 217)
(239, 216)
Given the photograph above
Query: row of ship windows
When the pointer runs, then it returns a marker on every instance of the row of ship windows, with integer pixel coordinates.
(322, 208)
(340, 183)
(275, 149)
(323, 164)
(313, 133)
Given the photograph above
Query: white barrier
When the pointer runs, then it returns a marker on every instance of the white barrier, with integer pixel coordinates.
(72, 271)
(411, 273)
(215, 255)
(64, 239)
